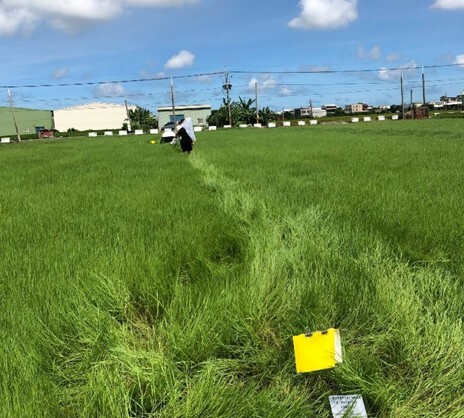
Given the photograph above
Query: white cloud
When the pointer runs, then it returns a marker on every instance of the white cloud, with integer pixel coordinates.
(393, 57)
(448, 4)
(285, 91)
(69, 15)
(150, 75)
(395, 74)
(60, 73)
(459, 60)
(181, 60)
(373, 54)
(316, 68)
(266, 83)
(252, 84)
(206, 79)
(325, 14)
(110, 90)
(13, 20)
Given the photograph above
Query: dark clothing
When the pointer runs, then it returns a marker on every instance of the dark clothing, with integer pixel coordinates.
(186, 142)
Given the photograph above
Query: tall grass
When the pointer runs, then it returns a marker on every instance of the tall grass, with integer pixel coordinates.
(137, 281)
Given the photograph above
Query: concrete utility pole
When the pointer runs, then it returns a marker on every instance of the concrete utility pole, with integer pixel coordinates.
(402, 97)
(423, 87)
(256, 100)
(227, 86)
(128, 117)
(173, 106)
(14, 116)
(412, 107)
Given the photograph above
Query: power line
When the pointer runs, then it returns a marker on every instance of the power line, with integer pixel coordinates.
(94, 83)
(221, 73)
(328, 71)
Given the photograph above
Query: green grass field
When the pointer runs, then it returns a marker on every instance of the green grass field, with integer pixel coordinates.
(140, 282)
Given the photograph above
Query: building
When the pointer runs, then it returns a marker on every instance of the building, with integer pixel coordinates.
(91, 117)
(330, 108)
(27, 120)
(358, 108)
(452, 102)
(354, 108)
(198, 113)
(310, 112)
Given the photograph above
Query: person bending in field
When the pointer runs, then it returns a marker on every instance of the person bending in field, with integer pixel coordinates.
(187, 135)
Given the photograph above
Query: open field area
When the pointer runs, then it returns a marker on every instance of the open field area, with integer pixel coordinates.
(140, 282)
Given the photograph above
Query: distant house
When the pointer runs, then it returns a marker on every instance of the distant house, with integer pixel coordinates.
(354, 108)
(91, 116)
(311, 112)
(357, 108)
(452, 102)
(198, 113)
(330, 108)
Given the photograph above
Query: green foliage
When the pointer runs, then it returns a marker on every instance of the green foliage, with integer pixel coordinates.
(141, 118)
(242, 112)
(137, 281)
(266, 115)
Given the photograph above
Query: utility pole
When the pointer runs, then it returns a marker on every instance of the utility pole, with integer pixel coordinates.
(412, 107)
(13, 114)
(128, 117)
(402, 97)
(423, 87)
(256, 100)
(227, 86)
(173, 107)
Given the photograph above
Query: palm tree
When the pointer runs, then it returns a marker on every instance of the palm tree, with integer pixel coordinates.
(246, 113)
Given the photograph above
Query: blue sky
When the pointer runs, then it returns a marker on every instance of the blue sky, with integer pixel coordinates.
(62, 53)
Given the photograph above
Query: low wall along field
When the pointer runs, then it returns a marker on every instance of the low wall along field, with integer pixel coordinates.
(139, 281)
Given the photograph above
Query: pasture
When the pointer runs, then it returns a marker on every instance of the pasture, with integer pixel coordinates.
(140, 282)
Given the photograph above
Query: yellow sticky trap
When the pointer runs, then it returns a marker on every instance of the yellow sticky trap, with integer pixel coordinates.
(318, 350)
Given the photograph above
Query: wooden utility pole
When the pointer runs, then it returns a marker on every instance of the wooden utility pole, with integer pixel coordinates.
(14, 116)
(227, 86)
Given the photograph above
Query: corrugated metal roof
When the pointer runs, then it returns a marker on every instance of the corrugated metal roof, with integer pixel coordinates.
(97, 105)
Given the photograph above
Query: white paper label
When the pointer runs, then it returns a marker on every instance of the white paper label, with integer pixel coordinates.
(347, 406)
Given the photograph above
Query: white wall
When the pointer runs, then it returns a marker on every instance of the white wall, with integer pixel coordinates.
(92, 116)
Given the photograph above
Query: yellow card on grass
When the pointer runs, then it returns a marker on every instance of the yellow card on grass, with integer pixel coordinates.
(318, 350)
